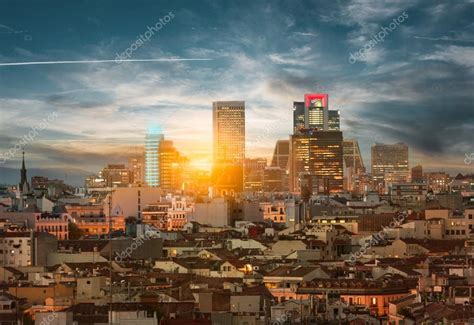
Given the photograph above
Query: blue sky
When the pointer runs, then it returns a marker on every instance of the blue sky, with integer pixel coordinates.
(415, 86)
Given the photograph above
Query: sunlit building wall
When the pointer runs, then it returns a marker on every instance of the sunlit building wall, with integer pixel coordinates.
(171, 166)
(229, 147)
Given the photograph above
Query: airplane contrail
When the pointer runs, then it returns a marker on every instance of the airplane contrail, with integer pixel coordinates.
(3, 64)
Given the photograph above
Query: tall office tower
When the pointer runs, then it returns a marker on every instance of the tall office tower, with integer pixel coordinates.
(116, 176)
(41, 182)
(352, 155)
(255, 164)
(136, 164)
(316, 111)
(298, 116)
(274, 179)
(229, 147)
(354, 168)
(388, 158)
(152, 159)
(417, 174)
(334, 120)
(316, 161)
(253, 173)
(280, 159)
(171, 166)
(281, 154)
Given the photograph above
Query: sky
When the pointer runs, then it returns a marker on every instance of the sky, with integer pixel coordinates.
(415, 85)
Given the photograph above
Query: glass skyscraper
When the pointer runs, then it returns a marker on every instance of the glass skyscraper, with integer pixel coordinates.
(334, 120)
(298, 117)
(229, 146)
(316, 160)
(389, 158)
(316, 113)
(153, 139)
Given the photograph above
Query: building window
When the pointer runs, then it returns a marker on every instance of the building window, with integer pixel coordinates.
(374, 301)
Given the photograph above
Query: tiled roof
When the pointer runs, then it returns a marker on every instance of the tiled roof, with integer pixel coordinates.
(437, 245)
(292, 271)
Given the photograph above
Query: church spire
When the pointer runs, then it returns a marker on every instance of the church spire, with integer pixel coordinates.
(24, 186)
(23, 165)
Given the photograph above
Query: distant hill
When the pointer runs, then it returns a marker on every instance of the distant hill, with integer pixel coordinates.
(71, 176)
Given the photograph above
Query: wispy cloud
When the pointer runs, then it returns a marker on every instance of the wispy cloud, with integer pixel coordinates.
(99, 61)
(307, 34)
(460, 55)
(444, 38)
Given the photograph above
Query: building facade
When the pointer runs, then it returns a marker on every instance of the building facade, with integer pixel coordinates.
(116, 175)
(229, 147)
(316, 161)
(136, 165)
(388, 158)
(152, 159)
(171, 166)
(298, 116)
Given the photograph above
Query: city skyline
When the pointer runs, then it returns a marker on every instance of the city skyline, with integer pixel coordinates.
(103, 108)
(236, 162)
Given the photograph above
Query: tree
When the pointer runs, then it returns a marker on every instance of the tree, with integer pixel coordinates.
(75, 232)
